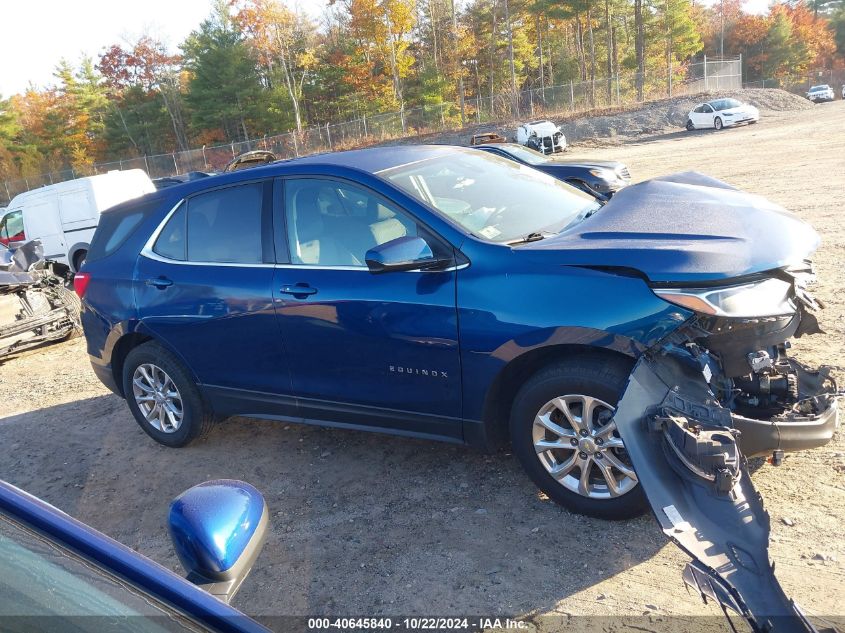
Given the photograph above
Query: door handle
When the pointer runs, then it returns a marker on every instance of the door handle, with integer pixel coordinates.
(299, 290)
(160, 282)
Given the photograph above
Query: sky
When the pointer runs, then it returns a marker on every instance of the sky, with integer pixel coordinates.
(36, 34)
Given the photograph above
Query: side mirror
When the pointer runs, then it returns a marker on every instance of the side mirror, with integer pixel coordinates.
(403, 253)
(217, 529)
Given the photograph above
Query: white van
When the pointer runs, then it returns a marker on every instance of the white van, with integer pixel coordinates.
(63, 216)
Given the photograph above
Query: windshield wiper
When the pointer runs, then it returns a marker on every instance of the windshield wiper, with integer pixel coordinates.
(531, 237)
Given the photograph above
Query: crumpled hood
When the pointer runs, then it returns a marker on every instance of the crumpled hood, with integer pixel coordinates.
(543, 128)
(685, 227)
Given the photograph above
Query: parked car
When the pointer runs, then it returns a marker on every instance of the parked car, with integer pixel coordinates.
(445, 293)
(843, 91)
(487, 137)
(63, 216)
(603, 176)
(247, 160)
(172, 181)
(62, 575)
(721, 113)
(820, 93)
(544, 136)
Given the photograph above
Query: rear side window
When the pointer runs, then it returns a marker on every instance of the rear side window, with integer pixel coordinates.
(221, 226)
(114, 228)
(225, 225)
(171, 241)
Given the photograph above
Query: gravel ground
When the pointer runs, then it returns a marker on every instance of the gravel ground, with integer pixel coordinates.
(366, 524)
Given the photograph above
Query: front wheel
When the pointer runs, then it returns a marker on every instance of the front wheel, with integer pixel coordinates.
(563, 433)
(163, 397)
(690, 125)
(718, 123)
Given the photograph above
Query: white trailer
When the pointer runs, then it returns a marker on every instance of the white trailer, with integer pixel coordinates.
(64, 216)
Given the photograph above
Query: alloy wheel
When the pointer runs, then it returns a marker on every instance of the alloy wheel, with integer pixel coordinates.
(576, 440)
(157, 398)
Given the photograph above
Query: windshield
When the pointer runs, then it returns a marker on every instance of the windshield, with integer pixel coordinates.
(526, 155)
(726, 104)
(819, 88)
(492, 197)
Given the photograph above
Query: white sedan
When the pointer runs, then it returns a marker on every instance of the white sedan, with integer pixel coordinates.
(822, 92)
(721, 113)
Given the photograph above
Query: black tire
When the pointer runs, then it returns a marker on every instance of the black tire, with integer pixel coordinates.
(717, 123)
(596, 376)
(196, 420)
(74, 306)
(79, 260)
(690, 125)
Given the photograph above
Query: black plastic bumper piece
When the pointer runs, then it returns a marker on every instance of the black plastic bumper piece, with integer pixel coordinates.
(724, 528)
(789, 433)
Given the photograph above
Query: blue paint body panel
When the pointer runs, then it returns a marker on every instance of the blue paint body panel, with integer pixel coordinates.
(419, 352)
(137, 570)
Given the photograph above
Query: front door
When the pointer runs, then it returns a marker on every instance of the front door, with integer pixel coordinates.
(203, 286)
(372, 350)
(702, 116)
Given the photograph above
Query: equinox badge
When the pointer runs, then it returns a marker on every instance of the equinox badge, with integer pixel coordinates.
(434, 373)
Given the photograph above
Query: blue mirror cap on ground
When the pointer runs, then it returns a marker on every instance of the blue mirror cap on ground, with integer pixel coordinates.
(214, 524)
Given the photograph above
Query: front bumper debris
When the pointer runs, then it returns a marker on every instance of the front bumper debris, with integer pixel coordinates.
(687, 450)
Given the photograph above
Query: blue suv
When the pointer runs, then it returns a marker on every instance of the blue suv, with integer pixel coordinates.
(445, 293)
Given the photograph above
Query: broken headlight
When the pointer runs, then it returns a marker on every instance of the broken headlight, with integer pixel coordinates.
(767, 298)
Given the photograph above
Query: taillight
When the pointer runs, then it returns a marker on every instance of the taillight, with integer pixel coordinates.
(80, 283)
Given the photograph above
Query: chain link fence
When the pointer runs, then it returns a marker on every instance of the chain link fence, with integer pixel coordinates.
(571, 97)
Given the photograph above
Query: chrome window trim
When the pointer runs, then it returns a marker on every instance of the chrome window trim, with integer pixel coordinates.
(148, 252)
(365, 269)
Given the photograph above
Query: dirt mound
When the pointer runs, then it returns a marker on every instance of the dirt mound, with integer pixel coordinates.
(657, 116)
(649, 118)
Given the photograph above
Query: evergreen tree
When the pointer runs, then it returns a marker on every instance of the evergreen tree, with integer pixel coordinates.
(224, 92)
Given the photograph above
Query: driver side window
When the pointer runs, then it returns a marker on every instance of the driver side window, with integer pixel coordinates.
(707, 109)
(330, 223)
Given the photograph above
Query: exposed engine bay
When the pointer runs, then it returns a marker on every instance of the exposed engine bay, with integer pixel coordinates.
(716, 391)
(35, 305)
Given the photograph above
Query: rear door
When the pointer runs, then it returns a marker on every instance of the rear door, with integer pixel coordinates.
(374, 350)
(42, 222)
(203, 286)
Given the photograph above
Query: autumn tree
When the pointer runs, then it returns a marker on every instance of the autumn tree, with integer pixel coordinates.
(144, 86)
(284, 44)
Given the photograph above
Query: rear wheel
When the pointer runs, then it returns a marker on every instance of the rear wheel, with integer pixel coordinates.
(563, 434)
(717, 123)
(163, 396)
(690, 125)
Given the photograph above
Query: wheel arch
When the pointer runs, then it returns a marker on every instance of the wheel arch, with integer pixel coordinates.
(502, 392)
(132, 340)
(72, 253)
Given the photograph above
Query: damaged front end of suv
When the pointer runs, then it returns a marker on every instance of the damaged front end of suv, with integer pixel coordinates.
(35, 305)
(717, 390)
